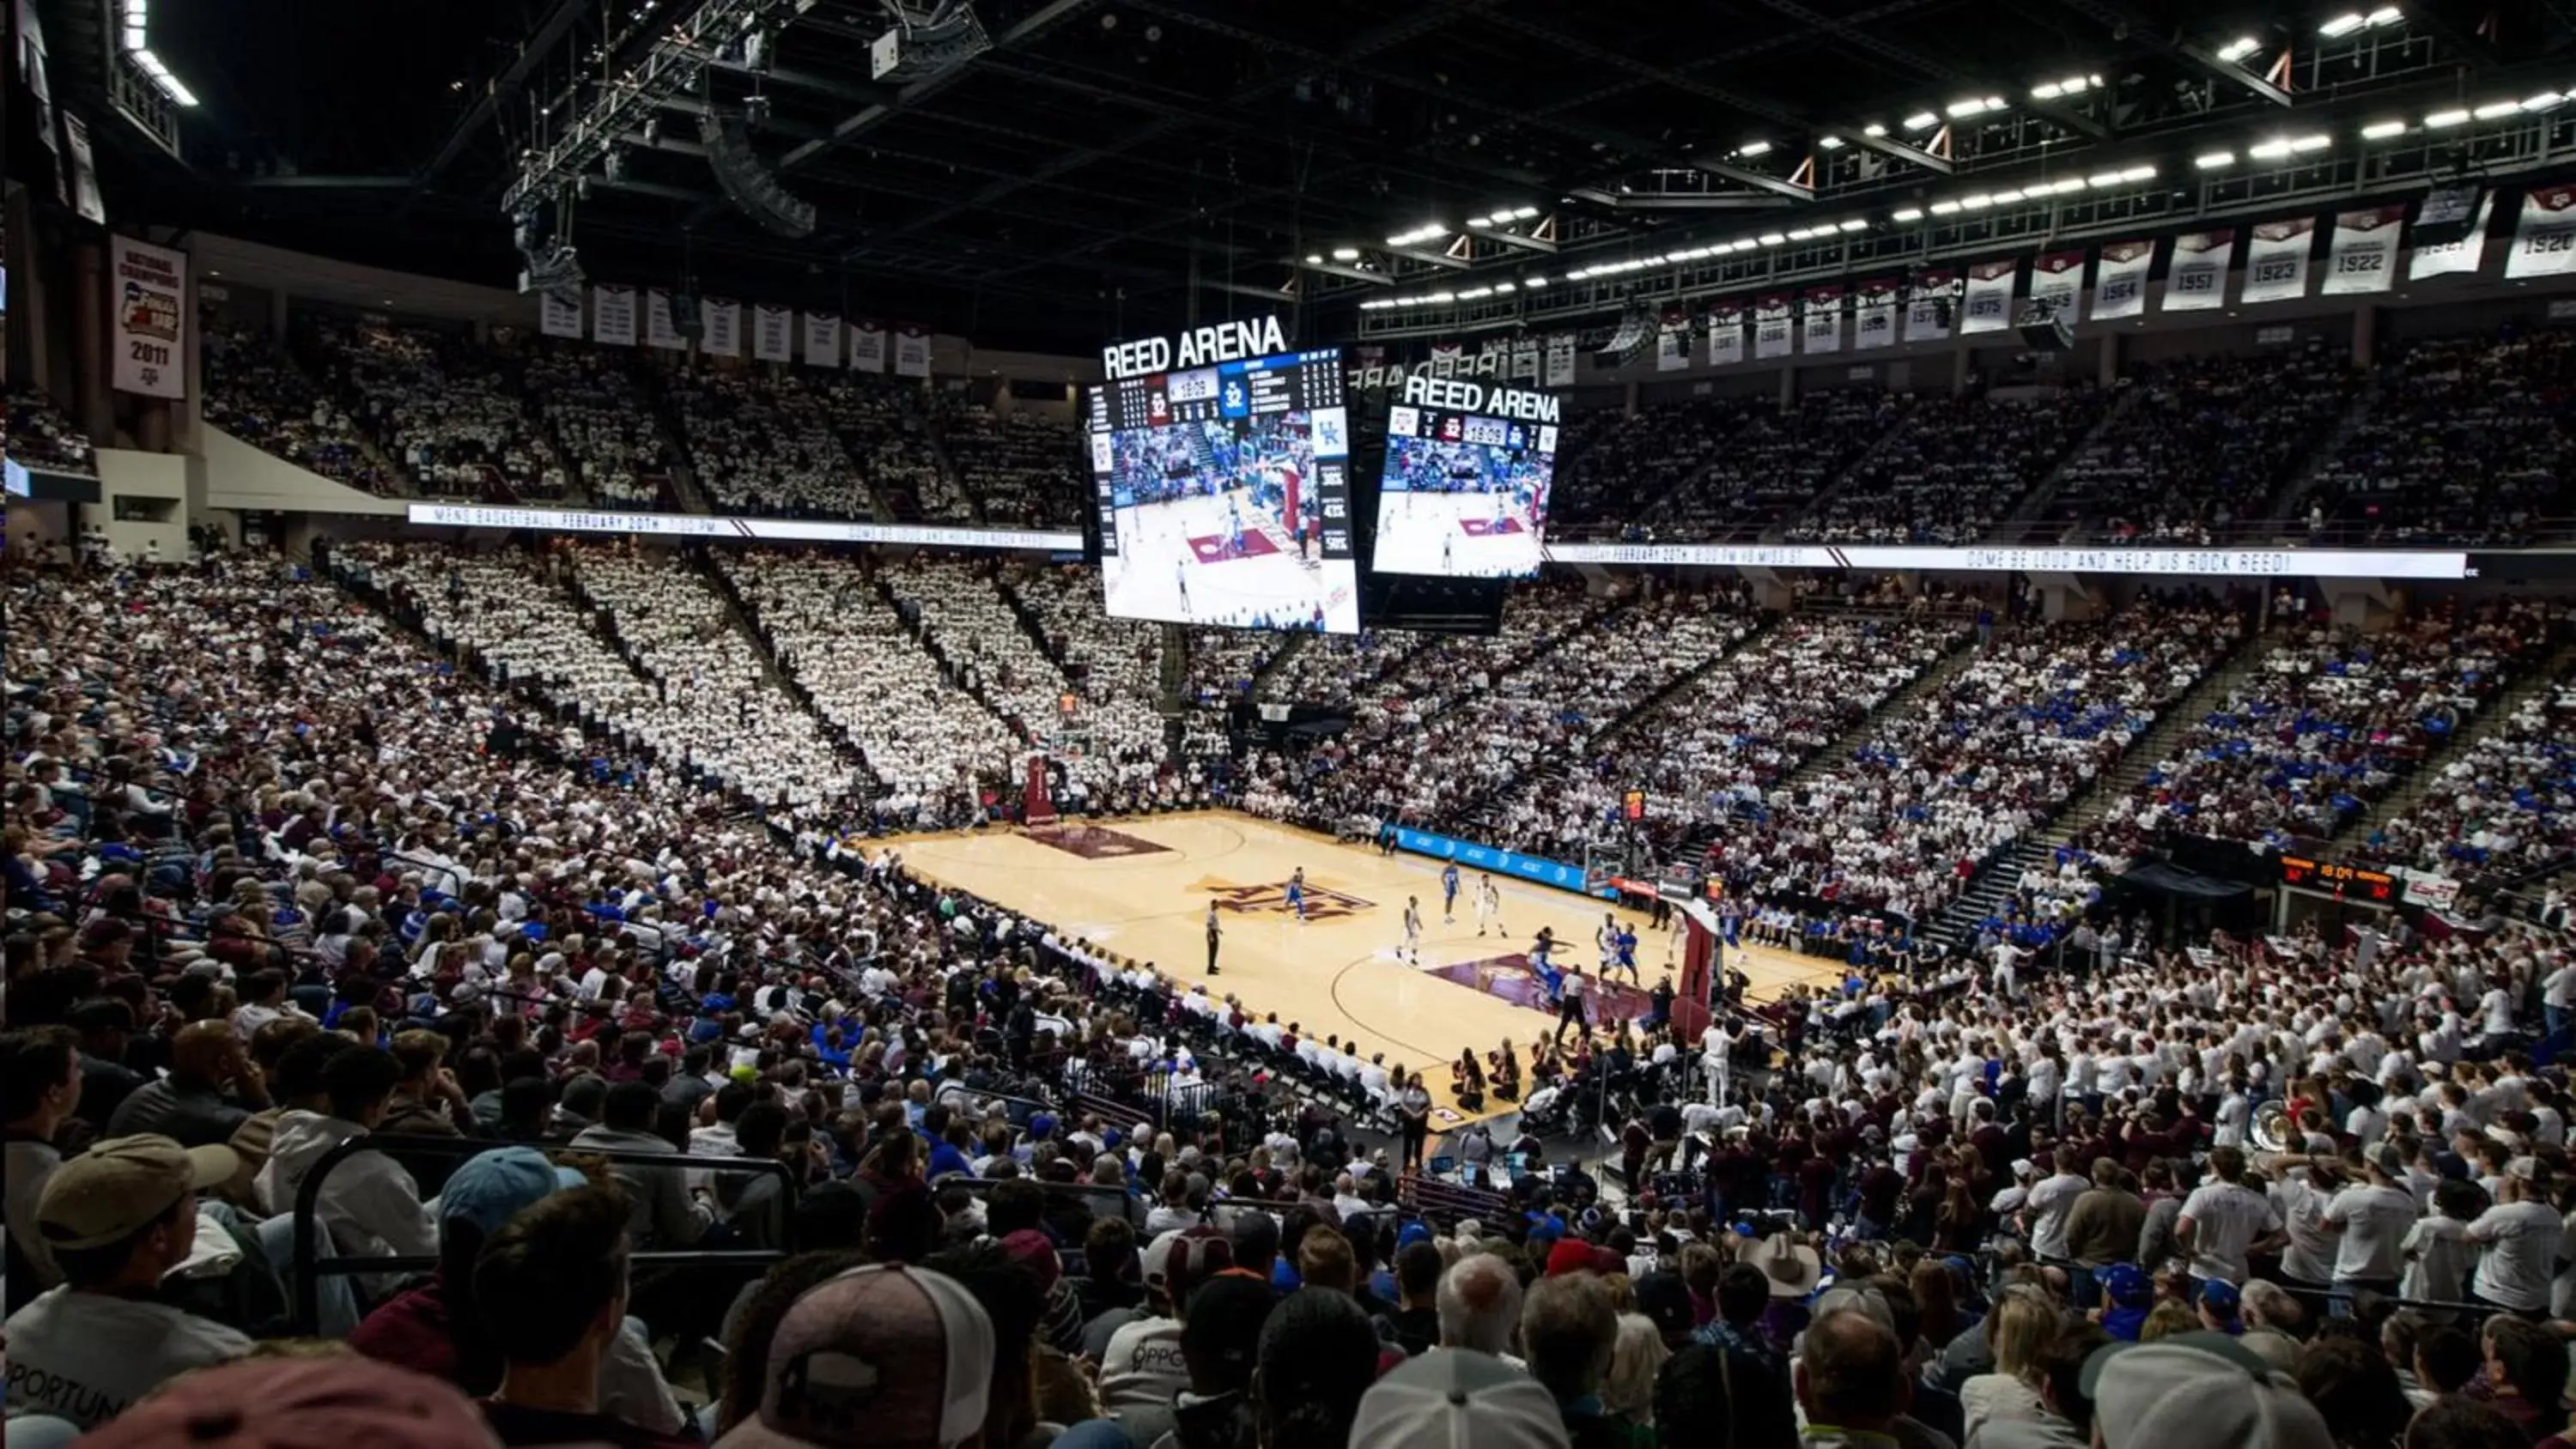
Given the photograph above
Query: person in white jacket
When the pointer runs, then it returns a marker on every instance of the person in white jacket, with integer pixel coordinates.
(370, 1205)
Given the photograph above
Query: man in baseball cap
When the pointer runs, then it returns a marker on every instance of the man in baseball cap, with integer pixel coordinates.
(2201, 1389)
(117, 1219)
(887, 1355)
(1458, 1399)
(301, 1403)
(1144, 1363)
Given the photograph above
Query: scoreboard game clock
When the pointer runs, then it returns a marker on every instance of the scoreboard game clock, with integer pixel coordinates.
(2342, 880)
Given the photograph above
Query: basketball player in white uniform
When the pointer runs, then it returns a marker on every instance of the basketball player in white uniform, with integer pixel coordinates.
(1489, 906)
(1413, 929)
(1605, 939)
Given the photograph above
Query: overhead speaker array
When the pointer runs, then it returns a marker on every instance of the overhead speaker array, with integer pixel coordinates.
(747, 179)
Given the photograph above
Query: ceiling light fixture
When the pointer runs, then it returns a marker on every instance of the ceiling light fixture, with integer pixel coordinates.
(2382, 130)
(1908, 213)
(2444, 120)
(1754, 148)
(2239, 48)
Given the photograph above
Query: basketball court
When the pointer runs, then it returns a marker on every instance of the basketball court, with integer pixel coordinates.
(1141, 888)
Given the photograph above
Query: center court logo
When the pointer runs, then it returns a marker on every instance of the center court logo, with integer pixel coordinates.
(1323, 903)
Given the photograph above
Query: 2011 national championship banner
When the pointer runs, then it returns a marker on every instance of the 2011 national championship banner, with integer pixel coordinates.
(762, 530)
(150, 326)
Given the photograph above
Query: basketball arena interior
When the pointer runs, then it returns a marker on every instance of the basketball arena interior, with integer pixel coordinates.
(1211, 723)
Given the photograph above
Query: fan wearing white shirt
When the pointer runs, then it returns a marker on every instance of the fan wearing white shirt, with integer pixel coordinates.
(2224, 1221)
(2373, 1219)
(2523, 1237)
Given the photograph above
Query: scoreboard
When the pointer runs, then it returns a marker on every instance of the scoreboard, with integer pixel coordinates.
(1234, 394)
(2344, 880)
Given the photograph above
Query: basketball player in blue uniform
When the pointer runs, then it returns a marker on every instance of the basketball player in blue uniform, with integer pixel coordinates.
(1297, 893)
(1626, 959)
(1548, 976)
(1449, 894)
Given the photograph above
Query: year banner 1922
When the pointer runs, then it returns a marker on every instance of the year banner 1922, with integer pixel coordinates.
(150, 312)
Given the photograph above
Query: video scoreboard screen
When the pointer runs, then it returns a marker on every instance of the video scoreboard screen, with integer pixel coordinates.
(1465, 488)
(1223, 484)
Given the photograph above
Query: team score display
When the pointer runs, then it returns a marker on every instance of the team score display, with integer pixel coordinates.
(152, 353)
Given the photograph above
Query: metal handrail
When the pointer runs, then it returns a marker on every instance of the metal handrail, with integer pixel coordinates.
(307, 1267)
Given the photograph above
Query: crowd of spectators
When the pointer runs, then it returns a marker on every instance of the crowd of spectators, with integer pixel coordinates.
(1954, 468)
(256, 392)
(2461, 446)
(885, 429)
(42, 436)
(759, 443)
(602, 423)
(1717, 744)
(1613, 466)
(2327, 723)
(446, 408)
(2502, 805)
(1952, 779)
(1772, 464)
(278, 881)
(2204, 449)
(1023, 468)
(937, 750)
(1334, 669)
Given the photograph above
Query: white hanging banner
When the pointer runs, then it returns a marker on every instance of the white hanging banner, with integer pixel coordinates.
(150, 304)
(911, 352)
(2443, 259)
(1725, 334)
(1672, 343)
(822, 340)
(1824, 319)
(2120, 281)
(720, 328)
(85, 196)
(1560, 360)
(612, 315)
(2362, 256)
(2057, 279)
(2276, 261)
(1874, 322)
(868, 346)
(559, 316)
(2544, 243)
(1989, 296)
(1771, 326)
(1928, 306)
(658, 331)
(773, 333)
(2196, 278)
(1524, 359)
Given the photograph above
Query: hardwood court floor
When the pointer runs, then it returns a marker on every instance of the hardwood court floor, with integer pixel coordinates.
(1141, 888)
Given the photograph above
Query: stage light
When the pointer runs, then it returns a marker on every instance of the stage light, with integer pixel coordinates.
(2382, 130)
(1829, 143)
(1973, 106)
(2344, 24)
(2105, 178)
(2542, 101)
(2444, 120)
(2239, 48)
(1977, 200)
(1533, 283)
(1346, 254)
(1507, 286)
(1945, 208)
(1873, 129)
(1523, 213)
(1854, 224)
(2313, 141)
(2494, 109)
(2215, 160)
(1753, 148)
(2073, 85)
(2141, 172)
(1921, 121)
(1314, 259)
(1909, 213)
(2003, 198)
(1771, 238)
(2269, 150)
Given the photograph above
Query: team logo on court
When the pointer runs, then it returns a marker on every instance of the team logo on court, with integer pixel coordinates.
(1323, 903)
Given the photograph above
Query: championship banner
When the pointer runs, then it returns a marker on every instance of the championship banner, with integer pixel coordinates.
(1560, 360)
(2276, 262)
(2120, 282)
(151, 311)
(822, 339)
(2057, 279)
(911, 352)
(2362, 257)
(612, 315)
(1525, 359)
(1989, 297)
(2445, 259)
(2196, 278)
(773, 333)
(720, 328)
(868, 346)
(85, 197)
(1672, 342)
(1771, 326)
(1726, 334)
(1824, 319)
(1874, 324)
(2544, 243)
(1928, 306)
(658, 331)
(559, 316)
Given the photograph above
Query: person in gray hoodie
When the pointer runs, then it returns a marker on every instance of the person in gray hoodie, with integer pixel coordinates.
(370, 1205)
(2068, 1424)
(662, 1213)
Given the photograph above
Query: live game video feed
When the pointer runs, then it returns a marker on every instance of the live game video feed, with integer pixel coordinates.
(1464, 491)
(1224, 488)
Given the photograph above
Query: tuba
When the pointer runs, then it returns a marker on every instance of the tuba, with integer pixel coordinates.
(2269, 1130)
